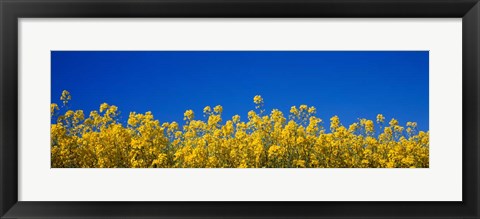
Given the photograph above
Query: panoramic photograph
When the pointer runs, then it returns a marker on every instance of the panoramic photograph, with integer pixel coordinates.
(239, 109)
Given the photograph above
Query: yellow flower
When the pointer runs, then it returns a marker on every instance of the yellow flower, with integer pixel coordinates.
(380, 118)
(207, 110)
(188, 115)
(236, 118)
(393, 122)
(334, 123)
(276, 151)
(369, 126)
(299, 163)
(103, 107)
(65, 97)
(293, 110)
(53, 107)
(353, 127)
(218, 109)
(258, 99)
(264, 141)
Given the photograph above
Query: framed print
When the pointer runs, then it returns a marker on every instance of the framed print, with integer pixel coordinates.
(239, 109)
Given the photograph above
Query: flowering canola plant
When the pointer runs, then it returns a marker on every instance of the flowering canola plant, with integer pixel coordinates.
(264, 140)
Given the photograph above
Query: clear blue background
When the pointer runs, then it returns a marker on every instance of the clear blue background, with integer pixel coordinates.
(350, 84)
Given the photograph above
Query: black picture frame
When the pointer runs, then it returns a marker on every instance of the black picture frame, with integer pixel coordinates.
(12, 10)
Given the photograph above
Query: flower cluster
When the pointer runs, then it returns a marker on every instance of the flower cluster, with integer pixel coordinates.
(273, 140)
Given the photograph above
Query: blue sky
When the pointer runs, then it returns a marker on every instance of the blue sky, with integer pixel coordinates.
(350, 84)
